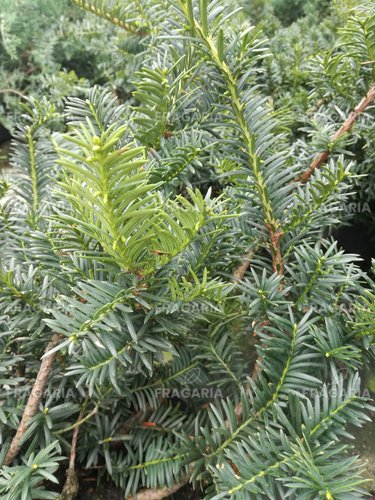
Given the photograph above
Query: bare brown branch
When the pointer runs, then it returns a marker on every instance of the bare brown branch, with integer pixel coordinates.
(32, 404)
(71, 486)
(240, 271)
(345, 128)
(277, 259)
(159, 494)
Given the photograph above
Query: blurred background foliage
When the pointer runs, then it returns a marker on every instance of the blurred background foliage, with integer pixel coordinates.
(54, 49)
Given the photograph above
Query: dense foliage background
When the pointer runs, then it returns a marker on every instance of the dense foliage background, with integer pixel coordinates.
(206, 299)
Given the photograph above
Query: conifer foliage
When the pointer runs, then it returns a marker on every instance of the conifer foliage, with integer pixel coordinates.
(135, 338)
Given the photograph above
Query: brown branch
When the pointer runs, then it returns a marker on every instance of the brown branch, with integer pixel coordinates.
(277, 259)
(71, 486)
(344, 129)
(240, 271)
(73, 450)
(14, 91)
(159, 494)
(32, 404)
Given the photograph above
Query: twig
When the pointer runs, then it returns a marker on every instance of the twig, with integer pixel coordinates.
(240, 271)
(14, 91)
(73, 450)
(35, 397)
(344, 129)
(109, 17)
(277, 259)
(71, 485)
(79, 422)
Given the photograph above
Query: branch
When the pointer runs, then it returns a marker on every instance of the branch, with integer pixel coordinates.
(240, 272)
(109, 17)
(35, 397)
(79, 422)
(71, 486)
(151, 494)
(277, 259)
(344, 129)
(14, 91)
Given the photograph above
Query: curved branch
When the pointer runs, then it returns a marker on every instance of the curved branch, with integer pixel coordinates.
(151, 494)
(14, 91)
(35, 397)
